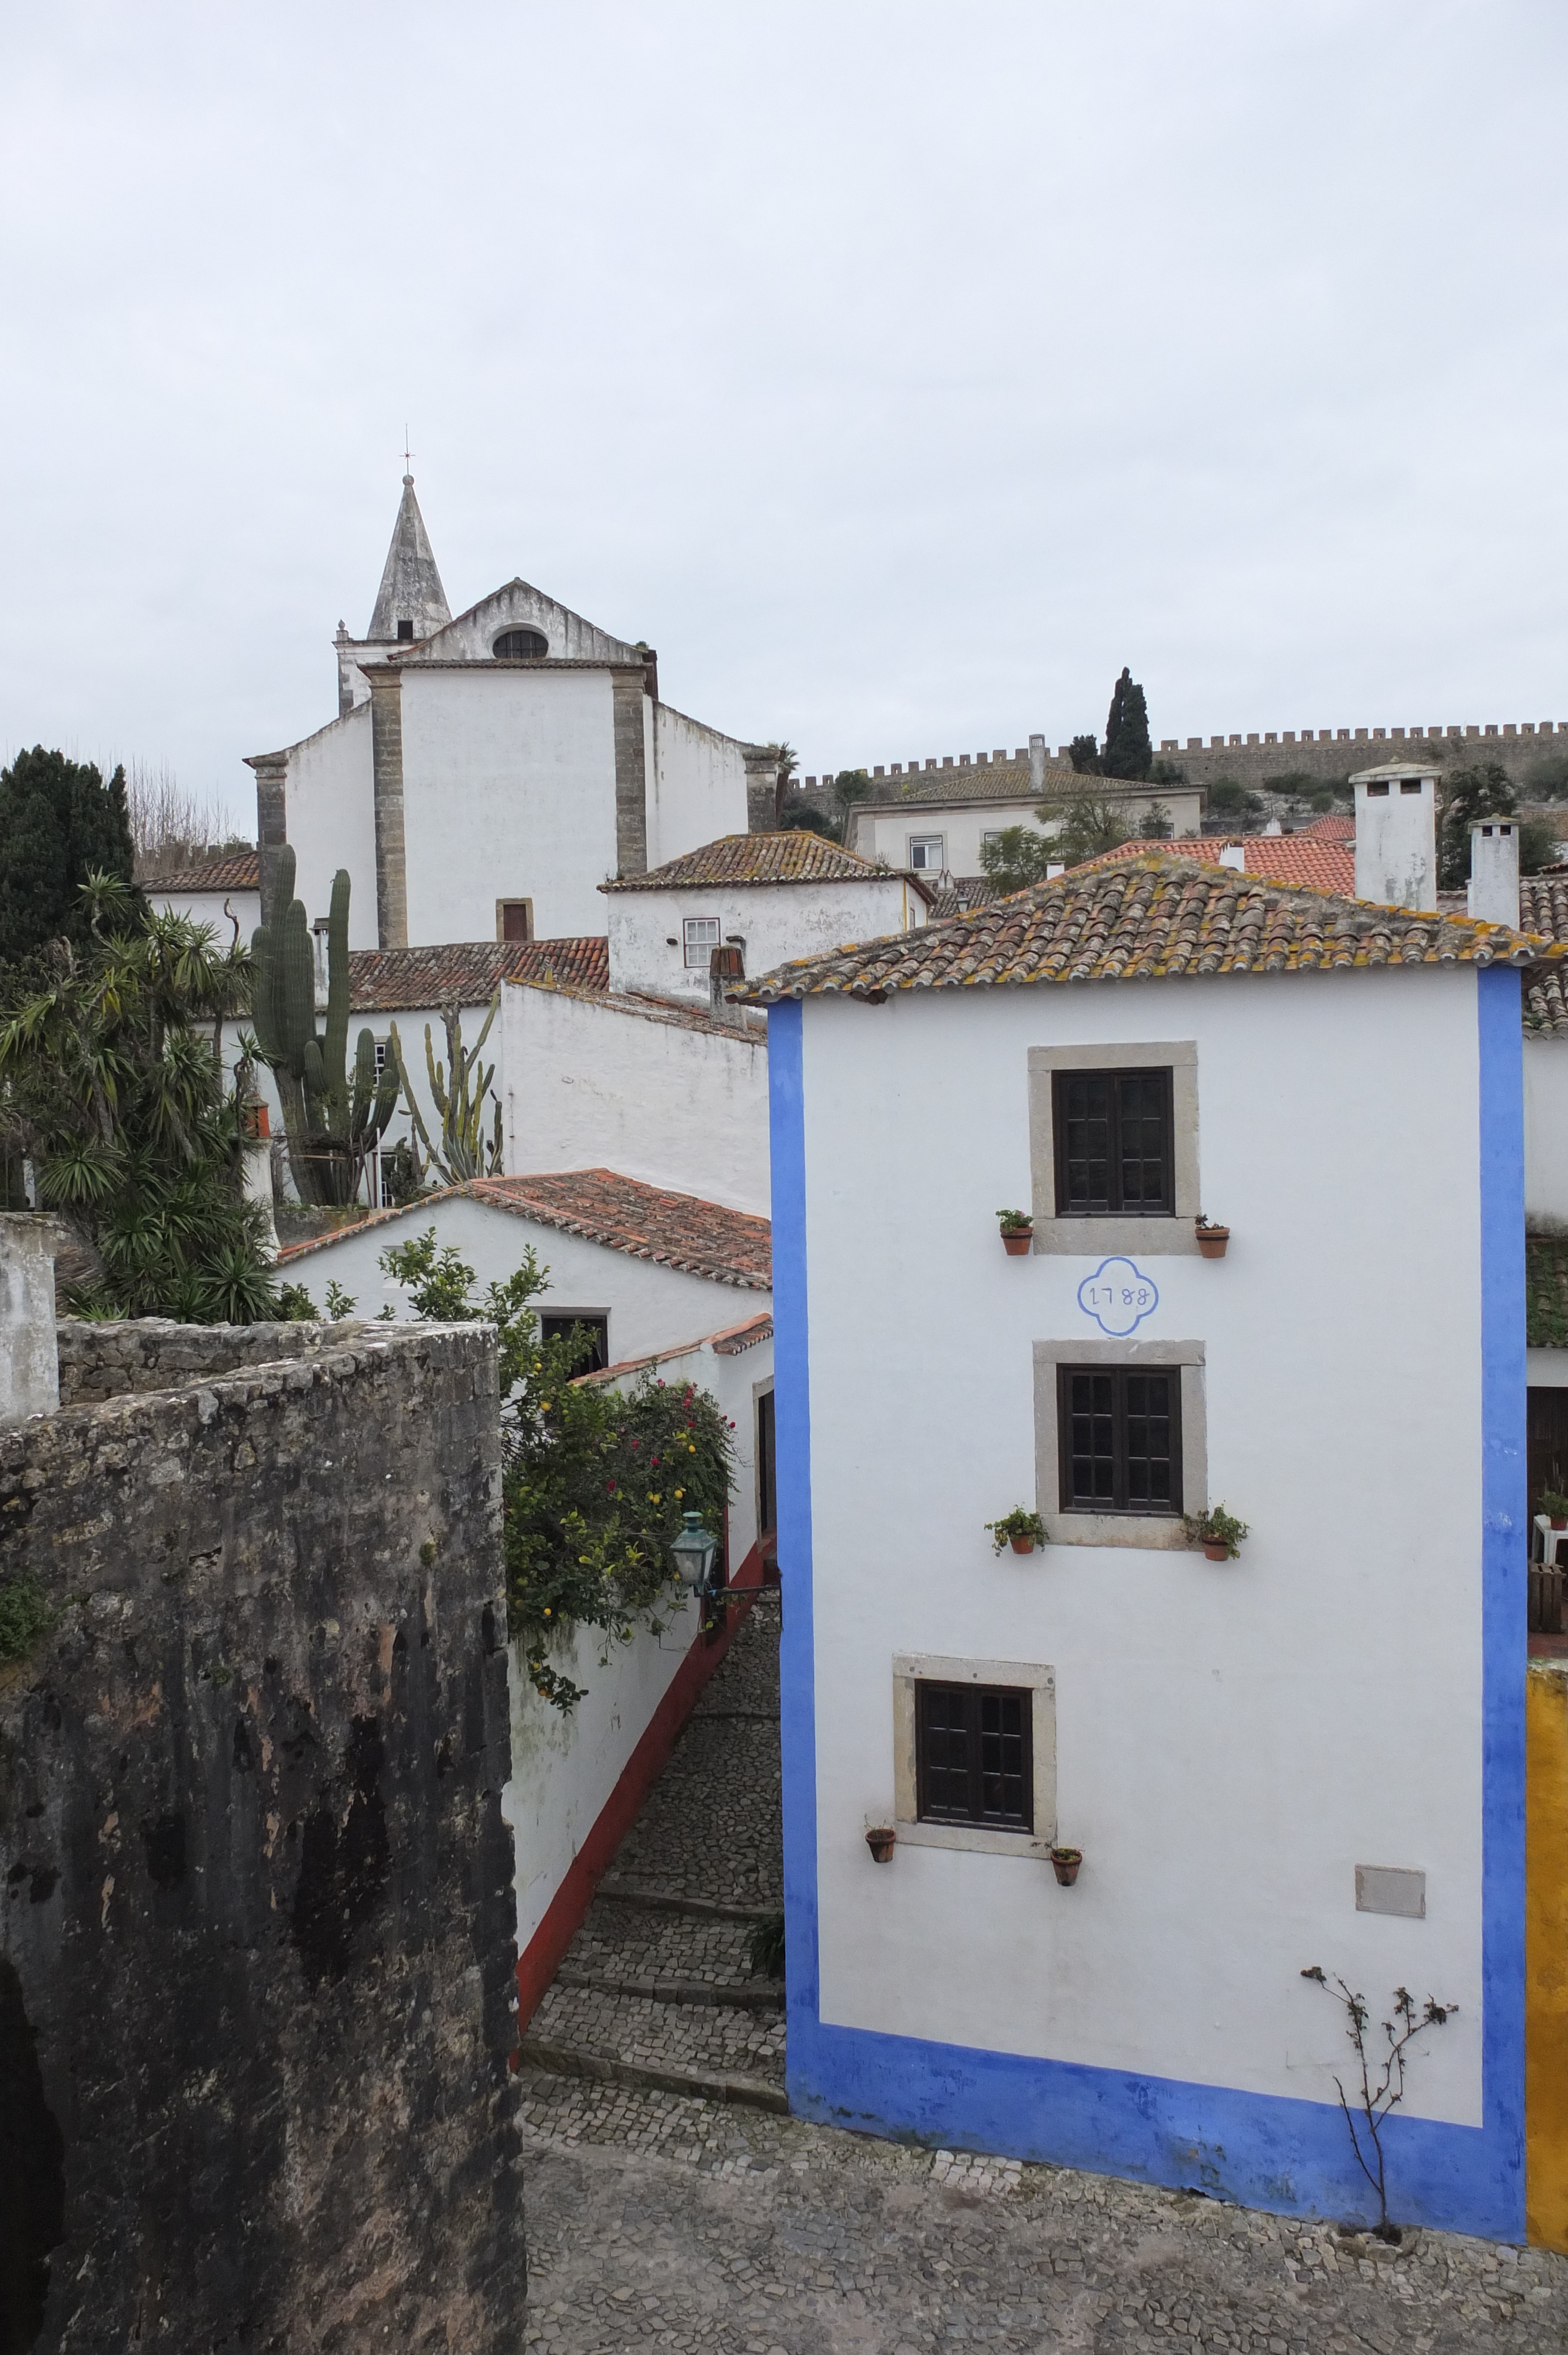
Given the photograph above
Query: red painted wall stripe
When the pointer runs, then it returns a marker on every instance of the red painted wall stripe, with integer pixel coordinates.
(565, 1915)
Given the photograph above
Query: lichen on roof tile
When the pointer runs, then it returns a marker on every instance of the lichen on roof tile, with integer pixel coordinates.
(791, 855)
(1154, 918)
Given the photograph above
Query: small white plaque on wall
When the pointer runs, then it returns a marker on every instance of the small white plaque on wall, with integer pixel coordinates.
(1388, 1889)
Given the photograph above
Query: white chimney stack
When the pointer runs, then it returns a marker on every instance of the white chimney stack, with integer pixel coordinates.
(1396, 837)
(1493, 893)
(1232, 854)
(1037, 764)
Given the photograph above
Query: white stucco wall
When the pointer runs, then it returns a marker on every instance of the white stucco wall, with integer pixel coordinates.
(591, 1083)
(508, 793)
(775, 921)
(563, 1769)
(208, 908)
(1545, 1130)
(696, 783)
(330, 820)
(649, 1307)
(887, 834)
(1232, 1740)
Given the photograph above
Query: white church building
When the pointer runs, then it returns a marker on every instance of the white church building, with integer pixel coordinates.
(484, 775)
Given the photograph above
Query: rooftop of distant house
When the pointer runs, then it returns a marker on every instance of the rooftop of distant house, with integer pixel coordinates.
(1323, 864)
(469, 973)
(793, 855)
(232, 870)
(998, 781)
(675, 1231)
(1153, 918)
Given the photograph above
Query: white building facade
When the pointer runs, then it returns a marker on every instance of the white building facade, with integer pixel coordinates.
(1311, 1754)
(768, 897)
(485, 773)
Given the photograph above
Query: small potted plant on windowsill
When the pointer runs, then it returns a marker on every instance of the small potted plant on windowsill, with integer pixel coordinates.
(1212, 1240)
(1554, 1504)
(1064, 1863)
(1218, 1532)
(1017, 1232)
(1021, 1529)
(881, 1839)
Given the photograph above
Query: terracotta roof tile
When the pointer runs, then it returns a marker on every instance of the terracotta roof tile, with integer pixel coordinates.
(678, 1230)
(1543, 910)
(1330, 828)
(469, 973)
(792, 856)
(240, 872)
(1155, 919)
(1320, 866)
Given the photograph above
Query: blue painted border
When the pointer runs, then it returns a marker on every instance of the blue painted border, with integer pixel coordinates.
(1289, 2155)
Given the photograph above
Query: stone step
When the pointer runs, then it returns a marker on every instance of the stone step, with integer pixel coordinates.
(564, 2060)
(675, 1900)
(629, 1939)
(710, 1829)
(716, 2041)
(756, 1995)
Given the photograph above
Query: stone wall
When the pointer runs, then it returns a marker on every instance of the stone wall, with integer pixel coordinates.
(99, 1361)
(1333, 753)
(257, 1930)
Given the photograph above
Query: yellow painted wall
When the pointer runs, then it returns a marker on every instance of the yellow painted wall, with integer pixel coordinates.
(1546, 1955)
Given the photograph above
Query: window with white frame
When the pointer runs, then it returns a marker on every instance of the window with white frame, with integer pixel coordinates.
(701, 936)
(925, 852)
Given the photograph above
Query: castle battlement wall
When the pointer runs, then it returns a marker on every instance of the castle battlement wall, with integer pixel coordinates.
(1326, 753)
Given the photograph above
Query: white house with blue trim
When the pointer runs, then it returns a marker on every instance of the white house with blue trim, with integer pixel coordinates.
(1312, 1754)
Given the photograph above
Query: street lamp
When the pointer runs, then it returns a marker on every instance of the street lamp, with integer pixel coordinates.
(694, 1550)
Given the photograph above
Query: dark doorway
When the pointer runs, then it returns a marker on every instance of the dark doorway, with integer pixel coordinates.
(1546, 1443)
(767, 1468)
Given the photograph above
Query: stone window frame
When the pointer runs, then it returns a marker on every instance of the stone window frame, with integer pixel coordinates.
(1153, 1532)
(525, 903)
(911, 1669)
(1095, 1237)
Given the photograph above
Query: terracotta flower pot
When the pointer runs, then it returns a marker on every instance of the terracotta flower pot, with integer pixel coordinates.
(1557, 1522)
(1064, 1863)
(880, 1840)
(1216, 1550)
(1016, 1241)
(1022, 1545)
(1212, 1241)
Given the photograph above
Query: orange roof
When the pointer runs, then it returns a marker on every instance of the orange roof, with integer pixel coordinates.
(1320, 866)
(1332, 828)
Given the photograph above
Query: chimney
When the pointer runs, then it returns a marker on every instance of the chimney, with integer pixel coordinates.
(1234, 854)
(1037, 764)
(726, 970)
(1396, 836)
(1493, 893)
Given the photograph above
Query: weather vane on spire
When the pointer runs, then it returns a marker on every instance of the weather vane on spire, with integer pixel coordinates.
(408, 454)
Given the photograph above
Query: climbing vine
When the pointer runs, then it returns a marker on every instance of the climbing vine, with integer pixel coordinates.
(595, 1481)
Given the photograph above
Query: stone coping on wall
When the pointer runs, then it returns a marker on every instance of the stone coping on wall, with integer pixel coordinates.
(105, 1359)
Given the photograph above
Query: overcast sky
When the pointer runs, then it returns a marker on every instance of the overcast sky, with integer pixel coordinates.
(899, 370)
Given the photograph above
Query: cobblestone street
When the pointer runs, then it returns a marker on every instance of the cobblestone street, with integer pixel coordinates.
(662, 2217)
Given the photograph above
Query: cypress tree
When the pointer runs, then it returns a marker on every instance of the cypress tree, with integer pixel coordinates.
(59, 823)
(1128, 751)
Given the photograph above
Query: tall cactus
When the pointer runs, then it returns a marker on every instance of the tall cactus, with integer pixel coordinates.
(465, 1151)
(333, 1129)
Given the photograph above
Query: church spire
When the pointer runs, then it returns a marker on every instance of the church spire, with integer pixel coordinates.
(410, 594)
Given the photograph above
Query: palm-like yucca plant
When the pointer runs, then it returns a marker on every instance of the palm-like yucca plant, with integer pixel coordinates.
(112, 1088)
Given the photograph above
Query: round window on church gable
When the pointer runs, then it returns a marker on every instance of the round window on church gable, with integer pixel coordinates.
(521, 645)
